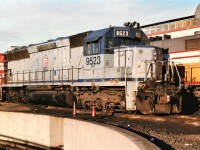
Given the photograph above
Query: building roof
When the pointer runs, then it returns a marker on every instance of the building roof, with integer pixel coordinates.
(167, 21)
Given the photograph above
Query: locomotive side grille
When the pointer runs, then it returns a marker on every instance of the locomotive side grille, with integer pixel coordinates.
(46, 47)
(77, 40)
(10, 56)
(21, 54)
(25, 53)
(17, 54)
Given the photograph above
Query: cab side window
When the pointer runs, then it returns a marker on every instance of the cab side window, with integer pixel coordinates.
(93, 48)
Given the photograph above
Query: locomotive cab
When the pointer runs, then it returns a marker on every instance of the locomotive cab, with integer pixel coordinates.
(99, 45)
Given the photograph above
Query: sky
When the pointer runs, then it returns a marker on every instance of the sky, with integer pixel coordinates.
(24, 22)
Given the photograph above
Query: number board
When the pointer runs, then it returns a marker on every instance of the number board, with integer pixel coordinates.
(95, 61)
(122, 33)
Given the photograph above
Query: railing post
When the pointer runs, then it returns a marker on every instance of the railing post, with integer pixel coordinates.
(53, 76)
(62, 75)
(59, 75)
(11, 78)
(36, 76)
(23, 77)
(72, 74)
(17, 77)
(68, 74)
(44, 76)
(78, 74)
(29, 77)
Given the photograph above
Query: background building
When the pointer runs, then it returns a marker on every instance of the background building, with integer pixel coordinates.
(174, 28)
(182, 37)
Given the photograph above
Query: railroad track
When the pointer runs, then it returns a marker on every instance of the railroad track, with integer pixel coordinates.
(167, 132)
(8, 145)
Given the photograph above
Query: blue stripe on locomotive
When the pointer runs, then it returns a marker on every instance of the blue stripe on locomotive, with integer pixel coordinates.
(85, 80)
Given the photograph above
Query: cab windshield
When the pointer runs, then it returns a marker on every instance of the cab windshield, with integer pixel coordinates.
(117, 42)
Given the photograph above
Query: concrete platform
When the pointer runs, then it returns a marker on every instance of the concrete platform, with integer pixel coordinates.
(54, 132)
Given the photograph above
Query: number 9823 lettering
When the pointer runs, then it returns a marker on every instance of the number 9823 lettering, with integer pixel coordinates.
(96, 60)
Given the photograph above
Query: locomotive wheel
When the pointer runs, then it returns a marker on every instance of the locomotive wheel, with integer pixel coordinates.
(177, 106)
(145, 106)
(70, 98)
(104, 107)
(8, 98)
(15, 98)
(122, 105)
(107, 108)
(180, 104)
(86, 105)
(80, 104)
(98, 104)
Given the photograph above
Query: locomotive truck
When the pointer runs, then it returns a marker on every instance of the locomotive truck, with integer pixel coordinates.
(113, 68)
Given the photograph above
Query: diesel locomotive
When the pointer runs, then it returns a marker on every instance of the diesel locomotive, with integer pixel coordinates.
(113, 68)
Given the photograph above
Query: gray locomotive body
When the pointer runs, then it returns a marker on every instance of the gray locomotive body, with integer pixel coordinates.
(113, 68)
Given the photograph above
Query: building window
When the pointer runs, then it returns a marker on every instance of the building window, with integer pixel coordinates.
(165, 27)
(158, 28)
(152, 30)
(146, 30)
(192, 43)
(186, 23)
(192, 22)
(178, 24)
(171, 26)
